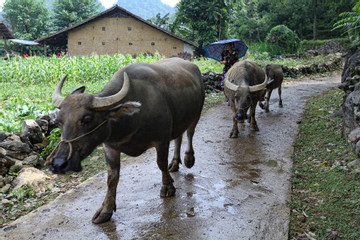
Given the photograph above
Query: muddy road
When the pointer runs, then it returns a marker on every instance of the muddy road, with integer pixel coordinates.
(237, 189)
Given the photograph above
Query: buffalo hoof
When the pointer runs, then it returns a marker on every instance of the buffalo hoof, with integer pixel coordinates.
(255, 128)
(167, 190)
(174, 165)
(101, 217)
(261, 105)
(234, 135)
(189, 159)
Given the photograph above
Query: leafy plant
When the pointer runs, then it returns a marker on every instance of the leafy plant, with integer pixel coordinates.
(350, 22)
(24, 192)
(54, 138)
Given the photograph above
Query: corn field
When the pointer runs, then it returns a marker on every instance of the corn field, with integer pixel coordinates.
(38, 70)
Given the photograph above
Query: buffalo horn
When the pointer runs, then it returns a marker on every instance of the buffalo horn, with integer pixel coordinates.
(230, 85)
(104, 103)
(258, 87)
(56, 97)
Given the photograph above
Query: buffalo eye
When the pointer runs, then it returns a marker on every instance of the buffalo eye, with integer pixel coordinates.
(86, 120)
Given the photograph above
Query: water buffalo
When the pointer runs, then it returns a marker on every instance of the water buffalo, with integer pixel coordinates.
(244, 86)
(275, 76)
(142, 106)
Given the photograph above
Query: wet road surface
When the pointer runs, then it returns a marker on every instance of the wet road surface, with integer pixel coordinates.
(237, 189)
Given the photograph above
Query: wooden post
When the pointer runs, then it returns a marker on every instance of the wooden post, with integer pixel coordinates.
(45, 50)
(5, 46)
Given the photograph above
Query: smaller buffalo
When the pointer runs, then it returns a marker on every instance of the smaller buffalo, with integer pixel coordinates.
(275, 76)
(244, 85)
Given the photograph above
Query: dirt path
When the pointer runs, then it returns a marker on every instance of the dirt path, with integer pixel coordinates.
(238, 188)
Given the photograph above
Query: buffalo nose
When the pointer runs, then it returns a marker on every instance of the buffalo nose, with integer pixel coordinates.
(239, 116)
(58, 165)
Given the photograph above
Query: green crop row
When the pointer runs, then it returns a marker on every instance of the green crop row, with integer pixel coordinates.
(39, 70)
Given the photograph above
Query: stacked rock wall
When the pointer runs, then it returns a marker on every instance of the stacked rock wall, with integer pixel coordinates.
(350, 84)
(22, 149)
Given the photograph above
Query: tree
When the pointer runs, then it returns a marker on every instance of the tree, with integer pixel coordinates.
(163, 22)
(69, 12)
(246, 23)
(350, 23)
(29, 19)
(206, 20)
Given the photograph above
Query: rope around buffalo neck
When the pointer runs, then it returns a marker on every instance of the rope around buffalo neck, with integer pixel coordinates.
(49, 159)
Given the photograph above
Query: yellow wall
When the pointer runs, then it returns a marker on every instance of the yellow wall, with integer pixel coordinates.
(121, 35)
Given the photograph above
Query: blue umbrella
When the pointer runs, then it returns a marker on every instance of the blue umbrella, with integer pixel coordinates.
(214, 50)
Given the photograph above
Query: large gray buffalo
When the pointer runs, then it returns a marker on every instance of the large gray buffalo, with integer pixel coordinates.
(244, 85)
(275, 76)
(142, 106)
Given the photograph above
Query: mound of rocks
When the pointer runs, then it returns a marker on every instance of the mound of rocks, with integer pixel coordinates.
(334, 63)
(350, 84)
(212, 81)
(22, 149)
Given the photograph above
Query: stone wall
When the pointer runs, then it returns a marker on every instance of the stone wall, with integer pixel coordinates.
(22, 149)
(350, 84)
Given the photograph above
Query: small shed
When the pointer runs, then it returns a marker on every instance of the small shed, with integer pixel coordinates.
(117, 30)
(5, 35)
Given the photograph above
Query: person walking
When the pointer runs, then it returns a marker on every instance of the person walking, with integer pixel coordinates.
(228, 57)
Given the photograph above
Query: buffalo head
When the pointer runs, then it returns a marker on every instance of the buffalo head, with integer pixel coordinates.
(85, 122)
(242, 97)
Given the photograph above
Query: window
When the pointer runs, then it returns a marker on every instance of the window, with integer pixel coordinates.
(152, 44)
(129, 28)
(79, 43)
(174, 47)
(130, 43)
(103, 43)
(103, 28)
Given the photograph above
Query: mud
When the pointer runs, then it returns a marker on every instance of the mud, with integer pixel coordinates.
(237, 189)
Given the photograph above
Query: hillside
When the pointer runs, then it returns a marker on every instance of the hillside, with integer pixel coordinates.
(143, 8)
(146, 8)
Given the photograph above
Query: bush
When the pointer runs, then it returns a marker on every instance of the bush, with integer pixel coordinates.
(282, 40)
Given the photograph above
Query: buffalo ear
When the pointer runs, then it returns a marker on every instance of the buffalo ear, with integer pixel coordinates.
(79, 90)
(128, 108)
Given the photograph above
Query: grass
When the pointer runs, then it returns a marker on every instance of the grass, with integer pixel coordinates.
(325, 194)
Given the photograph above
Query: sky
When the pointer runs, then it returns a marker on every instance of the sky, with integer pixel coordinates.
(109, 3)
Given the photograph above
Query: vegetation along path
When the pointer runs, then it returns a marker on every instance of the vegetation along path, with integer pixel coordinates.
(238, 188)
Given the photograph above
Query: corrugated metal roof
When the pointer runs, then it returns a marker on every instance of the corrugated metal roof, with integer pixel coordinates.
(60, 37)
(25, 42)
(5, 32)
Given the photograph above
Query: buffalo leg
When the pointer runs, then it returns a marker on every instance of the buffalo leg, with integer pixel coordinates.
(280, 100)
(105, 212)
(174, 165)
(253, 124)
(189, 159)
(234, 131)
(167, 188)
(267, 100)
(261, 105)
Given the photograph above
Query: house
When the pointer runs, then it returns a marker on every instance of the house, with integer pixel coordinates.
(5, 35)
(117, 30)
